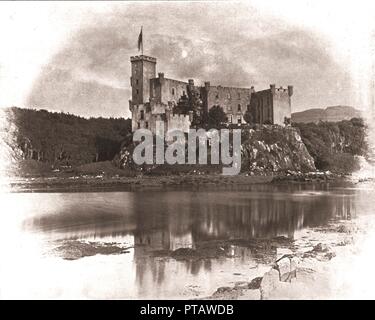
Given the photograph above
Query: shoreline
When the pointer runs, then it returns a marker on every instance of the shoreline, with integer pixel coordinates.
(100, 183)
(306, 260)
(305, 269)
(301, 268)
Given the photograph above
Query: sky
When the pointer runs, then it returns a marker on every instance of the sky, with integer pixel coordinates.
(75, 56)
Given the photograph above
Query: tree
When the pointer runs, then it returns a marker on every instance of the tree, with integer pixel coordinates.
(248, 117)
(196, 105)
(191, 103)
(182, 106)
(287, 121)
(216, 117)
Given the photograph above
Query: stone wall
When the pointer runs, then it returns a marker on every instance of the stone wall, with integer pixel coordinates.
(166, 91)
(153, 96)
(143, 69)
(271, 106)
(282, 105)
(141, 117)
(178, 122)
(234, 101)
(261, 107)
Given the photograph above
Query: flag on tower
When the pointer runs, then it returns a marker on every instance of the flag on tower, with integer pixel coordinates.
(140, 41)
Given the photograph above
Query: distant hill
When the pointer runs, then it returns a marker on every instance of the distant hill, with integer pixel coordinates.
(331, 114)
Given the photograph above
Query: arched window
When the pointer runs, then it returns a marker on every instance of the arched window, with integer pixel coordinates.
(239, 108)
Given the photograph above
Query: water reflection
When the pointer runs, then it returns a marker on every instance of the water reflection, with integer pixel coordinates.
(171, 220)
(161, 221)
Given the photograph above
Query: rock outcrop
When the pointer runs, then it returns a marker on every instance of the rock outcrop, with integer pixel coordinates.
(265, 149)
(275, 149)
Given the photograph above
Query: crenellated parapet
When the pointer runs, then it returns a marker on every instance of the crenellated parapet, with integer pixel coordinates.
(143, 58)
(154, 97)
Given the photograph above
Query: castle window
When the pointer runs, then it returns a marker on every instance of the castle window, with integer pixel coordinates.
(139, 125)
(136, 81)
(230, 118)
(239, 119)
(137, 91)
(173, 91)
(217, 96)
(142, 114)
(146, 124)
(239, 108)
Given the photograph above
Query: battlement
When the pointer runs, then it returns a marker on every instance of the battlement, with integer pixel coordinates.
(179, 117)
(223, 88)
(143, 58)
(288, 90)
(281, 89)
(154, 96)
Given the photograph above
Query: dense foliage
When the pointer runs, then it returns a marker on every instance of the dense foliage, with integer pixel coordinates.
(191, 103)
(216, 117)
(334, 145)
(65, 139)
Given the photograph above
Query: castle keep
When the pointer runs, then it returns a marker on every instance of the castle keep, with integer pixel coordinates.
(153, 98)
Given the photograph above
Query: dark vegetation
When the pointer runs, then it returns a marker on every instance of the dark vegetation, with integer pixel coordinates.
(83, 146)
(191, 103)
(216, 117)
(61, 139)
(335, 145)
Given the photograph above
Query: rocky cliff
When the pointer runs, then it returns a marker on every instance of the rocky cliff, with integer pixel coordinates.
(274, 149)
(265, 149)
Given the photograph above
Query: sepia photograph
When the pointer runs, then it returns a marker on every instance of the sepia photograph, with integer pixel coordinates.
(187, 150)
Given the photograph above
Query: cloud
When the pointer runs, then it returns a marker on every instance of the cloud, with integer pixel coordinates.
(227, 44)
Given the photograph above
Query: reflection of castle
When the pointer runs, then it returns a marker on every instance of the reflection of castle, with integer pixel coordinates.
(153, 99)
(162, 240)
(186, 220)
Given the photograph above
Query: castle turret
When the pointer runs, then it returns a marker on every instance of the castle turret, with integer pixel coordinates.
(273, 88)
(143, 68)
(290, 90)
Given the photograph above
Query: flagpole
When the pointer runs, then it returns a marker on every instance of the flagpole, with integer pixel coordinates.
(142, 39)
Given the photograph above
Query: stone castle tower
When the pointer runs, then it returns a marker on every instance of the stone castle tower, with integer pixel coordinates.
(154, 97)
(143, 69)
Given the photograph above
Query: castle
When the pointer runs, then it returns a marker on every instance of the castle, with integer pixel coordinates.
(153, 98)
